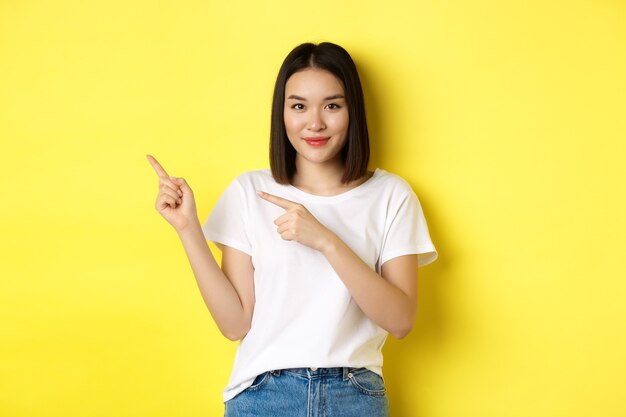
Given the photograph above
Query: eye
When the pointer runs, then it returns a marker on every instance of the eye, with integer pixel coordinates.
(298, 106)
(333, 106)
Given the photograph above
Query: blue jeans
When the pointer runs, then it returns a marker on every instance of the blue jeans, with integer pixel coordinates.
(312, 392)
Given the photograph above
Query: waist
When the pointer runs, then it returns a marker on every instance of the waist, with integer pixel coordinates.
(344, 372)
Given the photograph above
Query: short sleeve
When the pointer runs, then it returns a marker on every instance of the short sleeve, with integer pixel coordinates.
(408, 234)
(226, 224)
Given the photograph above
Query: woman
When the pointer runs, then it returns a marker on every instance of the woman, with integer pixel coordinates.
(320, 256)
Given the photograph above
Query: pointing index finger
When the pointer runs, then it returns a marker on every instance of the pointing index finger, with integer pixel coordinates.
(279, 201)
(157, 167)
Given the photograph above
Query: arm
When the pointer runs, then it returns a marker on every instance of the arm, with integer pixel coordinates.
(389, 300)
(227, 292)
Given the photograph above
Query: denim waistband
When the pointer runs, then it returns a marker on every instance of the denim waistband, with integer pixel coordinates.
(344, 372)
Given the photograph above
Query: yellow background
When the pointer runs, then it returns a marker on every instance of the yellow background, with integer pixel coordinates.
(507, 117)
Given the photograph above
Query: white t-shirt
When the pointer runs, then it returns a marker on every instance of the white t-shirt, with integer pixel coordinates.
(303, 314)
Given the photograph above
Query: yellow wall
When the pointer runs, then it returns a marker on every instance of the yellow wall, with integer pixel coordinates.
(507, 117)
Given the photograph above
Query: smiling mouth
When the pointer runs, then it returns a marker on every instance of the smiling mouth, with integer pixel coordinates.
(317, 141)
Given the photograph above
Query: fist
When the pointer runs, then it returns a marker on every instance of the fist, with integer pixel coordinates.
(175, 200)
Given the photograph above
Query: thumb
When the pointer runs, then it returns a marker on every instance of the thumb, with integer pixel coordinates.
(182, 184)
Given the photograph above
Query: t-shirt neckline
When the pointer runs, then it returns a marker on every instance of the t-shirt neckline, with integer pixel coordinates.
(337, 197)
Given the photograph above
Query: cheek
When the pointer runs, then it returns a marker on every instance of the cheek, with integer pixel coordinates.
(292, 124)
(341, 123)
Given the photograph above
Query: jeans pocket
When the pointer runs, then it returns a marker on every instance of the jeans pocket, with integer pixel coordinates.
(367, 382)
(259, 381)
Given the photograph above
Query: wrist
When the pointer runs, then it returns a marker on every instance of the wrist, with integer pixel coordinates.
(330, 244)
(191, 228)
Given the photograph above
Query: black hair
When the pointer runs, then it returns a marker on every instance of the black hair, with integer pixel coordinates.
(336, 60)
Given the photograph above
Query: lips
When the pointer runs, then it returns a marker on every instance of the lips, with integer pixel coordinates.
(317, 141)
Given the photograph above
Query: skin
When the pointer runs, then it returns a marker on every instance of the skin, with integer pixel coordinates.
(227, 291)
(314, 107)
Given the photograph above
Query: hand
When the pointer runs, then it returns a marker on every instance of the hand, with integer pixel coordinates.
(175, 200)
(299, 224)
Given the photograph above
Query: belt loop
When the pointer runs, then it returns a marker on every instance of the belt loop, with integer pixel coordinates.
(346, 371)
(275, 372)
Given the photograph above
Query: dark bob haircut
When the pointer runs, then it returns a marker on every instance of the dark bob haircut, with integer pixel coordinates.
(336, 60)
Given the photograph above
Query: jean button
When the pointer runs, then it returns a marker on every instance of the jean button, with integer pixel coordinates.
(314, 369)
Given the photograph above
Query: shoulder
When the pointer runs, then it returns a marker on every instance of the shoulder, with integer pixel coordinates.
(394, 183)
(242, 189)
(254, 178)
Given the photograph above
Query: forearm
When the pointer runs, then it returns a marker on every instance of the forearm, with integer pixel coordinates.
(218, 293)
(384, 303)
(389, 300)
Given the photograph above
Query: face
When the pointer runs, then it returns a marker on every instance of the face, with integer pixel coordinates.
(316, 116)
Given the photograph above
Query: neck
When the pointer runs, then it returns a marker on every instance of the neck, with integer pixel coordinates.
(323, 179)
(320, 178)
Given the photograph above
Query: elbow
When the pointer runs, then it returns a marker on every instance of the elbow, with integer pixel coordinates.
(232, 336)
(235, 334)
(402, 330)
(401, 333)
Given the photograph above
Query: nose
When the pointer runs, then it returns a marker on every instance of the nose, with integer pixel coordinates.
(316, 122)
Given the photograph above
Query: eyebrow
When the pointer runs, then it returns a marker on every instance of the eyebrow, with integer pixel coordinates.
(333, 97)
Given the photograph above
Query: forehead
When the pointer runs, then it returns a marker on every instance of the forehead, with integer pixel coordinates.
(313, 81)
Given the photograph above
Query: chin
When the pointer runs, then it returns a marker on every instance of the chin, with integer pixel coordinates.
(319, 160)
